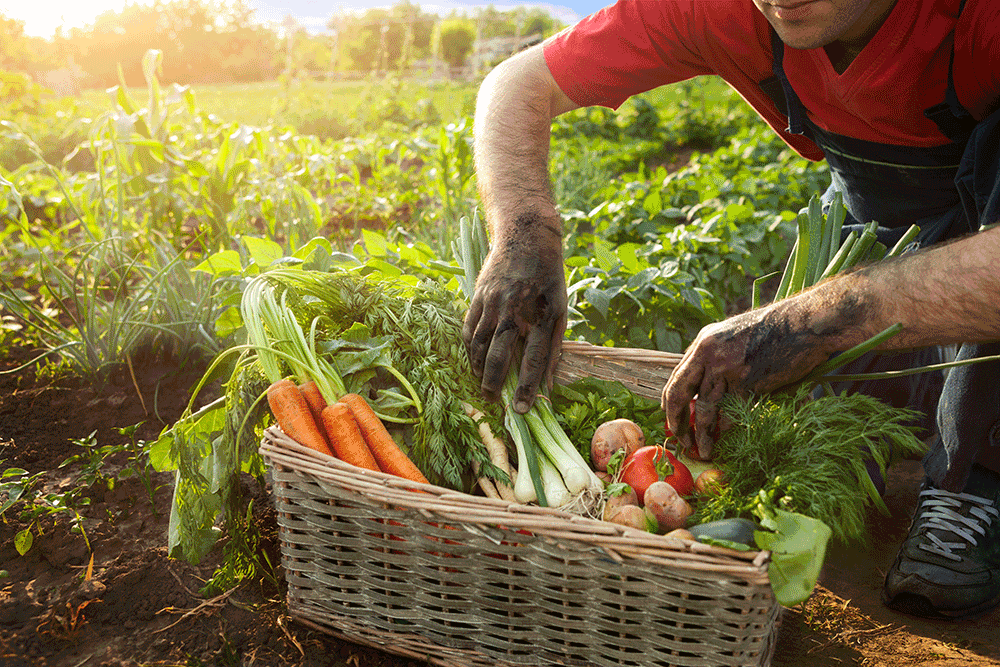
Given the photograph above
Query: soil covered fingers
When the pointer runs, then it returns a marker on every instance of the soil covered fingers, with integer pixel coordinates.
(541, 350)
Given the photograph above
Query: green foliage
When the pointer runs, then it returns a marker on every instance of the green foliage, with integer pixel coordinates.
(202, 41)
(626, 297)
(810, 451)
(95, 456)
(141, 217)
(381, 39)
(587, 403)
(19, 488)
(455, 39)
(244, 558)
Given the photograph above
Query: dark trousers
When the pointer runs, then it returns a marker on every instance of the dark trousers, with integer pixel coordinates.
(965, 402)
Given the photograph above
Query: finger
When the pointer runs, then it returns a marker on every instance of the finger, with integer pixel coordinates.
(706, 415)
(471, 321)
(676, 399)
(481, 340)
(535, 362)
(555, 347)
(497, 362)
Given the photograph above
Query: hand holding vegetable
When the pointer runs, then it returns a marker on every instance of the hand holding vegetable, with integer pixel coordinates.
(755, 352)
(520, 295)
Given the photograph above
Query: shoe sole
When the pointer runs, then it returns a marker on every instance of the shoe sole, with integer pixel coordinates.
(916, 605)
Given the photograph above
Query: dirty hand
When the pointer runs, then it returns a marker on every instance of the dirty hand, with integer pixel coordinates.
(756, 352)
(520, 296)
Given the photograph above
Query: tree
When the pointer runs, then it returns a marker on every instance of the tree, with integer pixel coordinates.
(383, 38)
(456, 39)
(14, 52)
(201, 41)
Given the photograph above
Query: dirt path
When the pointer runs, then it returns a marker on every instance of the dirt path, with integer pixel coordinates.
(846, 623)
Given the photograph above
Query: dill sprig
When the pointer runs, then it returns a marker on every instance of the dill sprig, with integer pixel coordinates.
(811, 454)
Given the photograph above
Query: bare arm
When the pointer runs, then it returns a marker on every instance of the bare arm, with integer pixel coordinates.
(514, 110)
(521, 291)
(945, 294)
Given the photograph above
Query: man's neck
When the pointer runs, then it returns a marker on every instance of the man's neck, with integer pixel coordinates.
(843, 51)
(842, 54)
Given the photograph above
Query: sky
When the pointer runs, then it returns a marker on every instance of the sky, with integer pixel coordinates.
(43, 17)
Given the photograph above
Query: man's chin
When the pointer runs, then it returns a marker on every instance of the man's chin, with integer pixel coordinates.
(804, 39)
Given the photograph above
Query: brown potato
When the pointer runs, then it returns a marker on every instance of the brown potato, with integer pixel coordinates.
(634, 516)
(667, 507)
(613, 436)
(612, 503)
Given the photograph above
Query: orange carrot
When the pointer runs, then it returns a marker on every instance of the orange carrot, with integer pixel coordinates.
(345, 437)
(310, 390)
(390, 457)
(291, 412)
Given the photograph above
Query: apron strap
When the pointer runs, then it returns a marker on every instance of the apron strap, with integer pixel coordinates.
(953, 119)
(780, 90)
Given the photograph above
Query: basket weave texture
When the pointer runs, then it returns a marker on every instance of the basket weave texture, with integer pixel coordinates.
(461, 580)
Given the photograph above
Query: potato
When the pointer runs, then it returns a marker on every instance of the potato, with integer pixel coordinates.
(613, 502)
(681, 534)
(710, 482)
(634, 516)
(613, 436)
(667, 507)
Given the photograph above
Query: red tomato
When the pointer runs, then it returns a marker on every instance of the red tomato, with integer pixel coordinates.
(653, 463)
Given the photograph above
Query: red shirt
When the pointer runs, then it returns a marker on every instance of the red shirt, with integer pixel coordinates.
(636, 45)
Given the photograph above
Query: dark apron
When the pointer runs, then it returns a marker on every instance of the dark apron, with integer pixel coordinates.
(948, 191)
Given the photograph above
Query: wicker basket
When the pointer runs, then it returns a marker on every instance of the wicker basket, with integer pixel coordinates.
(461, 580)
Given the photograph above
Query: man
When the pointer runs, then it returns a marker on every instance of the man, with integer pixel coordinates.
(898, 97)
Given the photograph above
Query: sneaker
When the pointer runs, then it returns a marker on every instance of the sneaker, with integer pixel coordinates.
(949, 564)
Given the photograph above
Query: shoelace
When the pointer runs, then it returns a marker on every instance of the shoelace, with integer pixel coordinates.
(941, 510)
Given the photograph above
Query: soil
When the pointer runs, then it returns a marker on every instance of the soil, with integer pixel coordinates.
(122, 601)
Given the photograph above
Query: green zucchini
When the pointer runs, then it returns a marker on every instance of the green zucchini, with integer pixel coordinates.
(736, 530)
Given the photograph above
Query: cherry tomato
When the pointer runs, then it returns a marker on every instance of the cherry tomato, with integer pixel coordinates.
(653, 463)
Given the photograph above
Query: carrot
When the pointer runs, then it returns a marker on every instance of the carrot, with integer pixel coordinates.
(390, 457)
(345, 437)
(310, 390)
(291, 412)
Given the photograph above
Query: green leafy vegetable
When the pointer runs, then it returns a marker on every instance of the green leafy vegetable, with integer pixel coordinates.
(812, 451)
(798, 547)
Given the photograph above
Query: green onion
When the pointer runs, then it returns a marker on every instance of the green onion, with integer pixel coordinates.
(528, 486)
(839, 259)
(852, 354)
(786, 276)
(835, 219)
(800, 267)
(757, 284)
(904, 241)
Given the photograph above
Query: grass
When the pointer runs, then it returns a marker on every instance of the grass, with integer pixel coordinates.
(262, 103)
(267, 102)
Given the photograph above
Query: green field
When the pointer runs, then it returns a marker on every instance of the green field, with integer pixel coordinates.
(672, 206)
(269, 103)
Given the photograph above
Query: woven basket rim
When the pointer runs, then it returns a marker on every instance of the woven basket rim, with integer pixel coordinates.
(619, 542)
